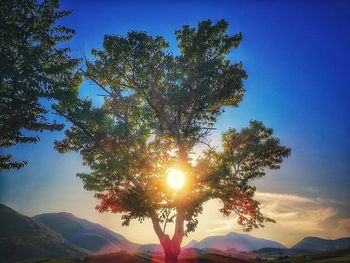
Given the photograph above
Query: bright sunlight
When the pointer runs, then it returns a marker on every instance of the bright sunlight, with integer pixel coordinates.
(175, 178)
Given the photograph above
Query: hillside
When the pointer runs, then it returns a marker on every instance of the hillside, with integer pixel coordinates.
(62, 235)
(319, 244)
(121, 257)
(23, 238)
(336, 256)
(275, 253)
(86, 234)
(241, 242)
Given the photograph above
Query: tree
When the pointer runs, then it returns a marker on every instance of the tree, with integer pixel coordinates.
(157, 107)
(32, 69)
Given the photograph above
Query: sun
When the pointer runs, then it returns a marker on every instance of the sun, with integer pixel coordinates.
(175, 178)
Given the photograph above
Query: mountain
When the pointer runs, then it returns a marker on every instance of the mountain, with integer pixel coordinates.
(57, 235)
(23, 238)
(192, 244)
(86, 234)
(241, 242)
(319, 244)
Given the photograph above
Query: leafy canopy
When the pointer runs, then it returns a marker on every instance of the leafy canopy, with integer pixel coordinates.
(157, 107)
(32, 69)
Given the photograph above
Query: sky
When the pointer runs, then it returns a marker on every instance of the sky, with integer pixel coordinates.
(297, 58)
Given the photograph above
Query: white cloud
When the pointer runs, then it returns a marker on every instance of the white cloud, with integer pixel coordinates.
(222, 226)
(295, 212)
(267, 196)
(296, 216)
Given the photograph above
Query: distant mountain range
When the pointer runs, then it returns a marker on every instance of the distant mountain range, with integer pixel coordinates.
(319, 244)
(241, 242)
(85, 234)
(57, 235)
(23, 238)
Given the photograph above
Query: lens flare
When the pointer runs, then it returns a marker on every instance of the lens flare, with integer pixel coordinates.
(175, 178)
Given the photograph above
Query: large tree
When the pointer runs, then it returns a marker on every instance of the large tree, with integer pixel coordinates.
(33, 68)
(157, 107)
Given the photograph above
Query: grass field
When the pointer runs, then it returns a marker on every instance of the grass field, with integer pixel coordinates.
(141, 258)
(338, 256)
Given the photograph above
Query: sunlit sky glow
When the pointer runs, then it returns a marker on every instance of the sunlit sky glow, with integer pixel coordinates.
(175, 178)
(297, 57)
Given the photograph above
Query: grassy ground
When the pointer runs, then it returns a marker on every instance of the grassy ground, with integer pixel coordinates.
(339, 256)
(141, 258)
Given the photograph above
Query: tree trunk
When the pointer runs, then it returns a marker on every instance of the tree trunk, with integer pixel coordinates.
(171, 248)
(170, 258)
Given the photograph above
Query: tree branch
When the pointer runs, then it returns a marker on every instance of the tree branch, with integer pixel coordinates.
(179, 226)
(76, 123)
(156, 225)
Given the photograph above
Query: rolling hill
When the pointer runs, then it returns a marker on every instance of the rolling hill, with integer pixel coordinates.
(98, 239)
(320, 244)
(334, 256)
(23, 238)
(241, 242)
(60, 235)
(86, 234)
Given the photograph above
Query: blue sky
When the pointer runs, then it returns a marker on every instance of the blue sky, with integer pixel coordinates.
(297, 57)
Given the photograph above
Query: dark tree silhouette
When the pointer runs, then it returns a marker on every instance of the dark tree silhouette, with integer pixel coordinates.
(157, 107)
(32, 68)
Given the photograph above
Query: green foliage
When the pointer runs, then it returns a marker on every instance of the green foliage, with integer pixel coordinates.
(246, 155)
(157, 107)
(32, 69)
(184, 93)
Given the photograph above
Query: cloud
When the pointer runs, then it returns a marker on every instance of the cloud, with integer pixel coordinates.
(296, 216)
(222, 226)
(283, 197)
(344, 224)
(295, 212)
